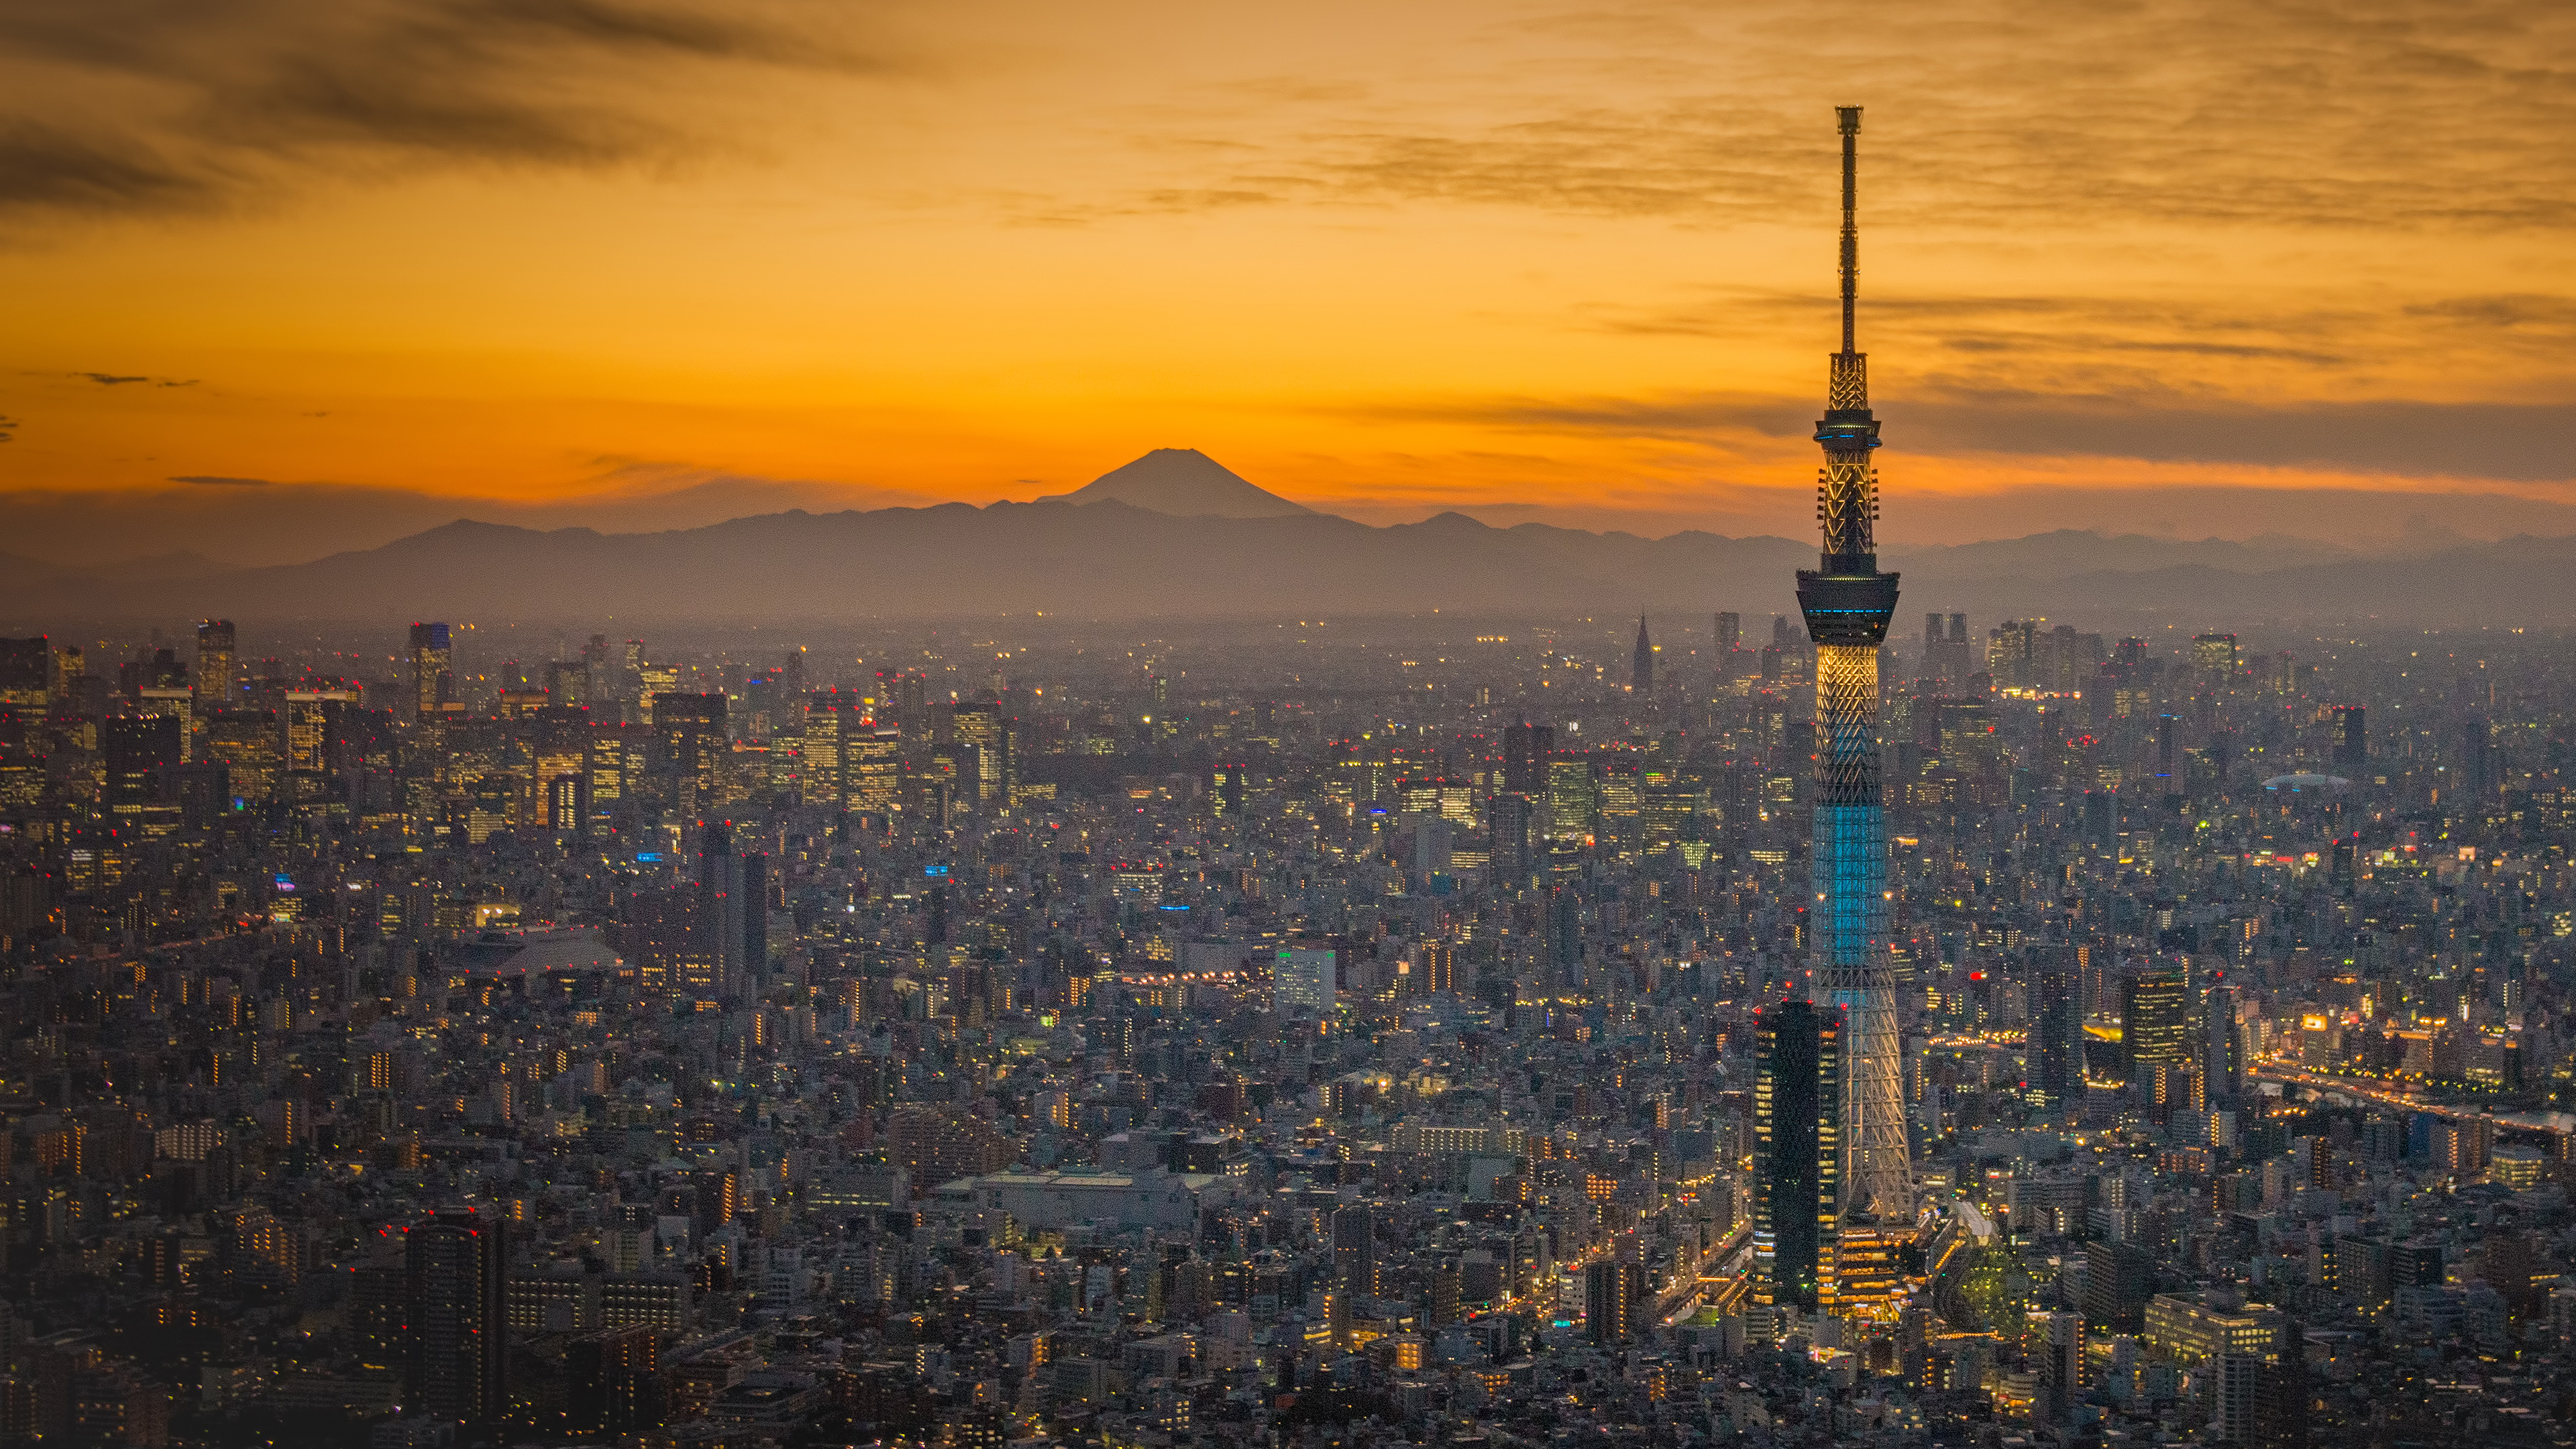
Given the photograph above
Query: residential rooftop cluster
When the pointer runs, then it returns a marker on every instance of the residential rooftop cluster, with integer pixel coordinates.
(1303, 1032)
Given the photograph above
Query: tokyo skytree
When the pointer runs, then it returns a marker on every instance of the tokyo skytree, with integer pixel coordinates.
(1848, 601)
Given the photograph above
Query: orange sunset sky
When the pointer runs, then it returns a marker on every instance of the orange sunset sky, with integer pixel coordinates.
(284, 278)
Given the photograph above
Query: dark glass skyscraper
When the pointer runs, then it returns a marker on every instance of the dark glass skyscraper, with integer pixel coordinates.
(2054, 1053)
(138, 750)
(2352, 751)
(2222, 1069)
(1525, 751)
(1641, 663)
(455, 1264)
(1797, 1127)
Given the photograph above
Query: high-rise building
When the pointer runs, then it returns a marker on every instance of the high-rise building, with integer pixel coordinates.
(1570, 801)
(217, 679)
(690, 728)
(26, 668)
(1302, 981)
(1848, 600)
(599, 675)
(610, 1378)
(1730, 634)
(1613, 1299)
(1439, 968)
(981, 728)
(2235, 1397)
(1518, 838)
(2055, 1048)
(568, 681)
(1525, 750)
(2214, 655)
(630, 678)
(731, 913)
(2010, 647)
(456, 1266)
(139, 750)
(1641, 663)
(68, 682)
(1948, 658)
(2057, 1340)
(2352, 746)
(433, 677)
(872, 770)
(2222, 1067)
(2156, 1022)
(1355, 1249)
(176, 703)
(831, 717)
(1797, 1110)
(2119, 1278)
(2281, 1410)
(2477, 758)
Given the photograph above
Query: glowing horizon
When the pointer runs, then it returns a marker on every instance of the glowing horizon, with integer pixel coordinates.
(1517, 262)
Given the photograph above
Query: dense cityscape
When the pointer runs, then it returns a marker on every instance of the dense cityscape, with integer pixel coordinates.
(1311, 1031)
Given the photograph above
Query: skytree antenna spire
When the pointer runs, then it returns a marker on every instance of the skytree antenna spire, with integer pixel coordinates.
(1850, 116)
(1848, 601)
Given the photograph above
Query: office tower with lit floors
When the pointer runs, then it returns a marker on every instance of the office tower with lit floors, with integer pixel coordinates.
(1797, 1110)
(2156, 1031)
(216, 680)
(433, 679)
(1848, 600)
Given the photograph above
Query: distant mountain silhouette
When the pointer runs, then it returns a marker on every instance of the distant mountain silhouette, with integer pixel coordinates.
(1112, 559)
(1184, 483)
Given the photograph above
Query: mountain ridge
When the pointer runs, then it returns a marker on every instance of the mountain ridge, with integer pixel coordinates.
(1184, 483)
(1114, 559)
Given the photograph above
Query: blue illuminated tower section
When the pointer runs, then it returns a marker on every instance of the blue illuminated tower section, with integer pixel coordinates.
(1848, 601)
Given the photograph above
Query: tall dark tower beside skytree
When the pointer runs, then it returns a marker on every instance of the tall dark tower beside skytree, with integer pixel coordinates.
(1848, 601)
(1641, 666)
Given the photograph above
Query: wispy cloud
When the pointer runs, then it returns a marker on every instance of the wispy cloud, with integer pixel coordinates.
(117, 379)
(2373, 114)
(2503, 442)
(123, 106)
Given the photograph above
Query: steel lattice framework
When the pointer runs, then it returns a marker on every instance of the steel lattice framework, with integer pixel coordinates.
(1848, 602)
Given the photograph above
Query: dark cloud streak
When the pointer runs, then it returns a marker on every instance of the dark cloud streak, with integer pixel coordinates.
(145, 106)
(2502, 442)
